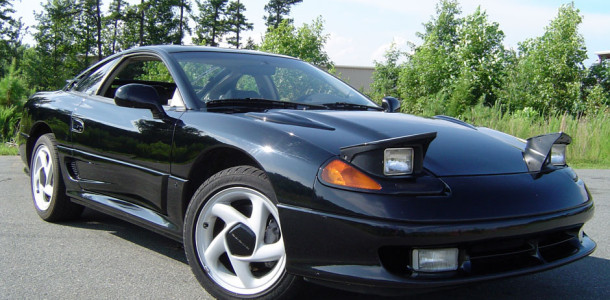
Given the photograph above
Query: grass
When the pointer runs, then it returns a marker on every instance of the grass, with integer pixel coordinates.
(8, 149)
(590, 146)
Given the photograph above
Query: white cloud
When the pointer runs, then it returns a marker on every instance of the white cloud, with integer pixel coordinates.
(379, 53)
(339, 46)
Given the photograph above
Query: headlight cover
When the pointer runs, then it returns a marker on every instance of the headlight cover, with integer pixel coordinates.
(558, 154)
(544, 150)
(372, 157)
(398, 161)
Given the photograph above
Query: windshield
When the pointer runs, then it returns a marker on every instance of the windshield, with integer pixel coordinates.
(217, 76)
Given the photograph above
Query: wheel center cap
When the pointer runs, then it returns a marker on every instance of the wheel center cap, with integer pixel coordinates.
(241, 240)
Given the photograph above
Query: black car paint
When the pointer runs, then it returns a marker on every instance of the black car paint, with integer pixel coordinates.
(144, 169)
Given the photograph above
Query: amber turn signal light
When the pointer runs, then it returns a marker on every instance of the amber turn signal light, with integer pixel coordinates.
(340, 173)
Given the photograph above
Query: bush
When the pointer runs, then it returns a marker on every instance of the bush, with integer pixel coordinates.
(9, 118)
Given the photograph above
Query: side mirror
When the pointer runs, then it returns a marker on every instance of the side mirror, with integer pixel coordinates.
(390, 104)
(137, 95)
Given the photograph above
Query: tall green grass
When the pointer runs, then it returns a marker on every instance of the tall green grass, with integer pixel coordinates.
(8, 149)
(590, 134)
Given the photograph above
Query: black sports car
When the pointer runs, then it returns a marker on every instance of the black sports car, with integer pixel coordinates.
(271, 171)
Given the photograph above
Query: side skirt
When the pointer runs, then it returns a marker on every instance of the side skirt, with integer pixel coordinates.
(129, 212)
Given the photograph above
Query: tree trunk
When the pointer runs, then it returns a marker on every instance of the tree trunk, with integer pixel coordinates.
(99, 32)
(238, 27)
(116, 25)
(181, 21)
(141, 22)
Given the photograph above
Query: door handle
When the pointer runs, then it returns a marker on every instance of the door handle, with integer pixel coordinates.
(78, 125)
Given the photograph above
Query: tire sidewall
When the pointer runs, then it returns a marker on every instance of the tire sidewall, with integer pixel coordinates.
(47, 141)
(223, 180)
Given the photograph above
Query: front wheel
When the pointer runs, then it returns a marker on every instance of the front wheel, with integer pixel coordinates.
(233, 238)
(48, 190)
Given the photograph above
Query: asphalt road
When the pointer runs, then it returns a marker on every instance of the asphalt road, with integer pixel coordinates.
(100, 257)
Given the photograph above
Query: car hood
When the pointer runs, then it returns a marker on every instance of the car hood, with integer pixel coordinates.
(458, 149)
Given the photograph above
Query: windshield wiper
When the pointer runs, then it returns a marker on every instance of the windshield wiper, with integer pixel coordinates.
(350, 106)
(256, 104)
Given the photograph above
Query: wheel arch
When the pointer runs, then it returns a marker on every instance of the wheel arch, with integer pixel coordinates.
(36, 132)
(210, 163)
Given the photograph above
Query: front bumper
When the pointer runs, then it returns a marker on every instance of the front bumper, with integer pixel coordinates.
(374, 256)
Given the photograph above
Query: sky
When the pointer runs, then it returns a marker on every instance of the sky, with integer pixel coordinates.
(360, 31)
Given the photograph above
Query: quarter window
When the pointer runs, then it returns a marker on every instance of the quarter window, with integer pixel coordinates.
(92, 80)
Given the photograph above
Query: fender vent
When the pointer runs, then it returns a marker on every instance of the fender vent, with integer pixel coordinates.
(73, 170)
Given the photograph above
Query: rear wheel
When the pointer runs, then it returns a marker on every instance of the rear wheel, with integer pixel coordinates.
(48, 190)
(233, 238)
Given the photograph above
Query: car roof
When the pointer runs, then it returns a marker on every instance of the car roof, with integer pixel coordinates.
(194, 48)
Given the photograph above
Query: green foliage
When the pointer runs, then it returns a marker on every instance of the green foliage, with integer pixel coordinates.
(590, 145)
(13, 93)
(10, 35)
(306, 42)
(9, 118)
(153, 71)
(8, 149)
(596, 87)
(277, 11)
(432, 65)
(162, 23)
(458, 65)
(13, 89)
(481, 57)
(55, 57)
(250, 44)
(385, 76)
(211, 23)
(462, 63)
(237, 22)
(549, 69)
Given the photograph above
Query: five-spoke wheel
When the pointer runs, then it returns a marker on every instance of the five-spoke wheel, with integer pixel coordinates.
(48, 190)
(233, 236)
(43, 179)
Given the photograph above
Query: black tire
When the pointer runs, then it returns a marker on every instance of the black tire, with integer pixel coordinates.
(48, 189)
(232, 203)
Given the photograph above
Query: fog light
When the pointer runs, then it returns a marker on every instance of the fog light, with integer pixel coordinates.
(398, 161)
(558, 154)
(435, 260)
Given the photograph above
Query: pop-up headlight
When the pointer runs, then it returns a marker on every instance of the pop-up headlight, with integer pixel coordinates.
(401, 156)
(544, 150)
(558, 154)
(398, 161)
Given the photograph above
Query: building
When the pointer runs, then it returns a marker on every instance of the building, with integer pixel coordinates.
(603, 55)
(359, 78)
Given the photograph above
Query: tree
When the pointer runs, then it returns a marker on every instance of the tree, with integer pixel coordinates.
(596, 86)
(480, 54)
(161, 22)
(306, 42)
(114, 22)
(385, 76)
(185, 7)
(10, 35)
(55, 57)
(237, 22)
(277, 11)
(210, 23)
(550, 68)
(89, 29)
(428, 73)
(460, 64)
(250, 44)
